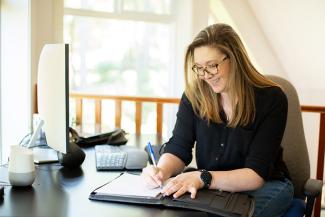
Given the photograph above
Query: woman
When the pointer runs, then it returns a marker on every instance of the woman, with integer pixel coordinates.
(236, 117)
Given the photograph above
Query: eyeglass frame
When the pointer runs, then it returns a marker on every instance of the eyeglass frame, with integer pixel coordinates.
(205, 70)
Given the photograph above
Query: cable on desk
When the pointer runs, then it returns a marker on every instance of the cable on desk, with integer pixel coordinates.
(23, 141)
(41, 142)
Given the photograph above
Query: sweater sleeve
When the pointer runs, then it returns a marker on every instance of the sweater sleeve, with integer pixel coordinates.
(183, 138)
(265, 146)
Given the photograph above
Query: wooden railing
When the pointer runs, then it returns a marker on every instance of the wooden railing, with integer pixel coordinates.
(118, 108)
(321, 148)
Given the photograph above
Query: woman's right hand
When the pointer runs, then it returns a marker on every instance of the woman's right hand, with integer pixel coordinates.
(153, 176)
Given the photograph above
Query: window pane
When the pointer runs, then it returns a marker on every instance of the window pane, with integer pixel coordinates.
(99, 5)
(151, 6)
(118, 57)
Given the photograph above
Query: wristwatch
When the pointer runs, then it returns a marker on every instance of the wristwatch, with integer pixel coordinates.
(206, 178)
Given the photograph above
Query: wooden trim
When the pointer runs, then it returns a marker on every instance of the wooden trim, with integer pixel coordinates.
(320, 160)
(118, 113)
(310, 108)
(98, 111)
(35, 109)
(79, 111)
(159, 112)
(138, 117)
(321, 147)
(125, 98)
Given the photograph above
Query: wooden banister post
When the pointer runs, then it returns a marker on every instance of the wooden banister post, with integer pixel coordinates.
(35, 109)
(138, 117)
(78, 111)
(320, 161)
(98, 111)
(118, 113)
(159, 118)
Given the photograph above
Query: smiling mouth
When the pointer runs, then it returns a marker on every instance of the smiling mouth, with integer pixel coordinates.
(215, 81)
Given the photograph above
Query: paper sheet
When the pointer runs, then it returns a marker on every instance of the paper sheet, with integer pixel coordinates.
(130, 185)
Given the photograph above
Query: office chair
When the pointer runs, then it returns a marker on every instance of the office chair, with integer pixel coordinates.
(296, 156)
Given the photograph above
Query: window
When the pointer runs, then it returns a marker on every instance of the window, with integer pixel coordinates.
(120, 48)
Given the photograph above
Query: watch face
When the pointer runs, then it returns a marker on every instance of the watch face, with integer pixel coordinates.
(206, 178)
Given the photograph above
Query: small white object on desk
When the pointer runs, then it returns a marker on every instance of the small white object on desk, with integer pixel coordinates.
(21, 166)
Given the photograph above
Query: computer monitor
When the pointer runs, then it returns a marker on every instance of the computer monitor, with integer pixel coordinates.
(53, 103)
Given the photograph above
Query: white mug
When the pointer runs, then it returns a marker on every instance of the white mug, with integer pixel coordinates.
(21, 166)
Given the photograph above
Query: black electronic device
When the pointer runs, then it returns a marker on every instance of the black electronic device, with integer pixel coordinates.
(115, 137)
(2, 191)
(206, 178)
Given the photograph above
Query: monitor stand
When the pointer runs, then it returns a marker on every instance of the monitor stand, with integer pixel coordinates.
(74, 157)
(45, 155)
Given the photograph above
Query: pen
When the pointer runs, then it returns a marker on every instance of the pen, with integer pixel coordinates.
(152, 155)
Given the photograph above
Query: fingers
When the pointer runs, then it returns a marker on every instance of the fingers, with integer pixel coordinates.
(150, 182)
(171, 187)
(193, 192)
(152, 176)
(181, 184)
(180, 192)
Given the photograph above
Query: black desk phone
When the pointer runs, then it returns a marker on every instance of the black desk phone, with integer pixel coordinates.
(115, 137)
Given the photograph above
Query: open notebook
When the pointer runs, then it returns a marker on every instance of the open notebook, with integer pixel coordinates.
(129, 188)
(130, 185)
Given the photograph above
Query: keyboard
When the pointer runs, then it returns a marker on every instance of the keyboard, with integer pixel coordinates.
(122, 157)
(110, 157)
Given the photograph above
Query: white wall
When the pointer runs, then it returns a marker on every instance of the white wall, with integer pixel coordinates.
(260, 49)
(15, 73)
(46, 27)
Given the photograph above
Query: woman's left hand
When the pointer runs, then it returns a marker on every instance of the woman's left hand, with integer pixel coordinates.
(182, 183)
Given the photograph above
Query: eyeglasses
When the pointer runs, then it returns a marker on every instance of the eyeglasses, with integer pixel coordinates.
(210, 69)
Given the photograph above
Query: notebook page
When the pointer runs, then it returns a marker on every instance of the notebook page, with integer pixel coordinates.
(129, 185)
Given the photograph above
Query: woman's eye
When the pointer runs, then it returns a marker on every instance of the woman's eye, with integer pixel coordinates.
(213, 66)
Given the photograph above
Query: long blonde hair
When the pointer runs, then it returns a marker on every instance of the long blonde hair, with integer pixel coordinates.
(243, 77)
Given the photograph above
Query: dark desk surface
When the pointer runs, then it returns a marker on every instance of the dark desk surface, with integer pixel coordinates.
(57, 191)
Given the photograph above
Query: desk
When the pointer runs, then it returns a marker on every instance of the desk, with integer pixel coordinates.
(57, 191)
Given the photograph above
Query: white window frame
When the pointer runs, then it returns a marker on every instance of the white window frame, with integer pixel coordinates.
(121, 14)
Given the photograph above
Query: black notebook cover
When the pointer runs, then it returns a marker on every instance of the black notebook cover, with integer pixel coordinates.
(211, 201)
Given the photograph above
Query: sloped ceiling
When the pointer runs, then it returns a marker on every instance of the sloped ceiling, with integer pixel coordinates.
(286, 37)
(296, 32)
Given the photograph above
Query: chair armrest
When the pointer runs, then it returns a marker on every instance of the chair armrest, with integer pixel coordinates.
(312, 189)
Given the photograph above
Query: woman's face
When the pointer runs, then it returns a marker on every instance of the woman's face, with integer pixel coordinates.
(212, 66)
